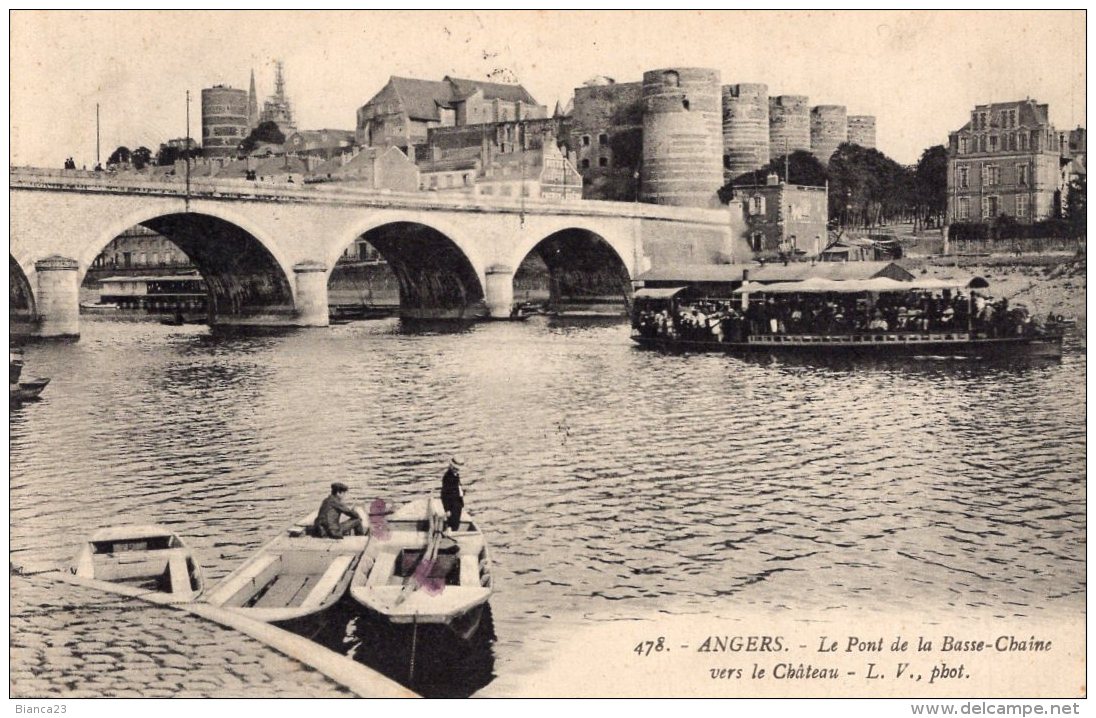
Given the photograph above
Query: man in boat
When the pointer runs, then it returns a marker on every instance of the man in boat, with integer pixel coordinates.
(452, 493)
(327, 523)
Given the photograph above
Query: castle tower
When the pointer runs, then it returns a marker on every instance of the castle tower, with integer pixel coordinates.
(862, 130)
(224, 120)
(252, 104)
(789, 124)
(829, 129)
(745, 128)
(682, 137)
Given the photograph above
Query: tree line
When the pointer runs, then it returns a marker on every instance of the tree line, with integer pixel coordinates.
(866, 188)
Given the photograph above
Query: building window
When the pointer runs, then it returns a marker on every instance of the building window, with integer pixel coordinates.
(990, 207)
(602, 161)
(992, 175)
(603, 139)
(1022, 175)
(757, 239)
(993, 143)
(757, 204)
(585, 164)
(964, 208)
(1023, 140)
(586, 140)
(963, 177)
(1021, 206)
(963, 147)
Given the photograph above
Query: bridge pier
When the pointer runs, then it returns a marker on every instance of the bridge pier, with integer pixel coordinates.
(58, 300)
(499, 292)
(312, 309)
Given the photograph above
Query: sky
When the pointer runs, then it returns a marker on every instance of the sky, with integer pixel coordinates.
(919, 73)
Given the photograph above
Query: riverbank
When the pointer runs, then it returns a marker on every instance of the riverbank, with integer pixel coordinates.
(1046, 283)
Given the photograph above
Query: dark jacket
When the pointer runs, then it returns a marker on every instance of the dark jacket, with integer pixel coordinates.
(452, 492)
(327, 520)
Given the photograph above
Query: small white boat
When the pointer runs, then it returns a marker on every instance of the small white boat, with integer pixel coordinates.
(149, 558)
(293, 576)
(413, 574)
(94, 307)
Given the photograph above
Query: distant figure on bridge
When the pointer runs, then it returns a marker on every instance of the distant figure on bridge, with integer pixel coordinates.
(452, 493)
(327, 523)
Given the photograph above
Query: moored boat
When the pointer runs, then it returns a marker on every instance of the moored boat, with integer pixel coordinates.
(26, 390)
(293, 576)
(415, 572)
(149, 558)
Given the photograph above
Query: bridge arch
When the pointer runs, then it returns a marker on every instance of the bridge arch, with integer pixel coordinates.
(245, 271)
(21, 303)
(439, 273)
(581, 263)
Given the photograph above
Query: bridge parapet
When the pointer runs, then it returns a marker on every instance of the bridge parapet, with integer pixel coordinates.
(340, 193)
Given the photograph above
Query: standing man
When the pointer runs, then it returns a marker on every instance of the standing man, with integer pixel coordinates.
(327, 523)
(452, 493)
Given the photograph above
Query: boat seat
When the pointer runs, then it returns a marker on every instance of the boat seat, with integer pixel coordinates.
(326, 583)
(178, 575)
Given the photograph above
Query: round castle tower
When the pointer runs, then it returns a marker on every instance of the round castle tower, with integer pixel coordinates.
(789, 122)
(829, 128)
(682, 137)
(745, 127)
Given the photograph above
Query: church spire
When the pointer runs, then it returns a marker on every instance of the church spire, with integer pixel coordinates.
(252, 104)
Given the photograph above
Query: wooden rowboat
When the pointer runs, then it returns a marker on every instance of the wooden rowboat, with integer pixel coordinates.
(293, 576)
(149, 558)
(413, 574)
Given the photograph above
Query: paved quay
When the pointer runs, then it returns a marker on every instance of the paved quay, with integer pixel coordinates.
(76, 642)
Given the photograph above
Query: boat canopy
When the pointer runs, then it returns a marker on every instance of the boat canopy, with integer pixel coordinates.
(878, 285)
(658, 292)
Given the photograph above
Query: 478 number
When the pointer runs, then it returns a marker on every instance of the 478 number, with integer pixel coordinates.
(644, 648)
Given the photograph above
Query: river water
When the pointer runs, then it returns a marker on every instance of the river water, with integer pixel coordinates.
(611, 481)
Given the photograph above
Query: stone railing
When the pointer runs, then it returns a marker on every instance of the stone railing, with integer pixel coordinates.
(343, 193)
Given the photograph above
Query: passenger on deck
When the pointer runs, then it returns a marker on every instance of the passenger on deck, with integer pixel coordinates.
(327, 523)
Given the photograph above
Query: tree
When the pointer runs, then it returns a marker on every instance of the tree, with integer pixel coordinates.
(167, 155)
(867, 187)
(266, 132)
(803, 168)
(119, 156)
(141, 157)
(931, 183)
(1077, 205)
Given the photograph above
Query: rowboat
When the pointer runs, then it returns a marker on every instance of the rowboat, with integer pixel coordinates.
(293, 576)
(414, 573)
(150, 558)
(26, 390)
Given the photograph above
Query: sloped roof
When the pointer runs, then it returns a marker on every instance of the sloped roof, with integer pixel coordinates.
(795, 271)
(491, 90)
(421, 98)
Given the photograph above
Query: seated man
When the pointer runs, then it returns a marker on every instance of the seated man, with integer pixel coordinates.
(327, 523)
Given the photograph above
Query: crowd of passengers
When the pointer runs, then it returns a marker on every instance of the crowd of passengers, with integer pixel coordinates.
(723, 320)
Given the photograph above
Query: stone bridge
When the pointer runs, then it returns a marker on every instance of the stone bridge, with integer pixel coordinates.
(267, 251)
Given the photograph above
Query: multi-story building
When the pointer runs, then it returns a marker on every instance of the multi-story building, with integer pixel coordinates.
(140, 248)
(1004, 161)
(783, 220)
(405, 108)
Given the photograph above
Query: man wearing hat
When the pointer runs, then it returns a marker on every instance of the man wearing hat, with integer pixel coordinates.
(327, 520)
(452, 493)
